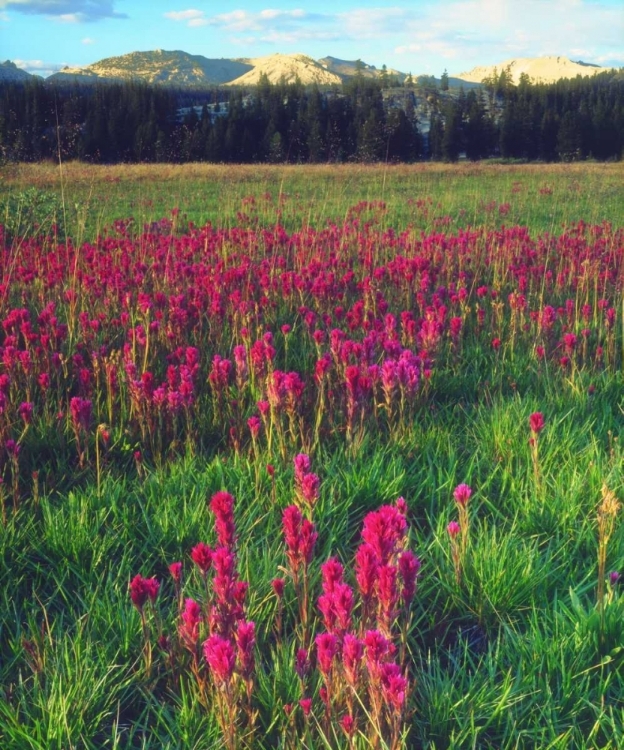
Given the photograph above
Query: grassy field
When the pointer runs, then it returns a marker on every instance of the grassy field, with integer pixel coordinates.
(541, 197)
(346, 371)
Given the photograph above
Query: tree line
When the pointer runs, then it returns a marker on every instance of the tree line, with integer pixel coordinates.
(364, 120)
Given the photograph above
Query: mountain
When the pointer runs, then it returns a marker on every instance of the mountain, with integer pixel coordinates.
(287, 68)
(10, 72)
(178, 68)
(350, 68)
(546, 69)
(175, 68)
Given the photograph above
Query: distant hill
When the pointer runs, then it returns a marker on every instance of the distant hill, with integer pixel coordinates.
(175, 68)
(10, 72)
(546, 69)
(350, 68)
(180, 69)
(288, 68)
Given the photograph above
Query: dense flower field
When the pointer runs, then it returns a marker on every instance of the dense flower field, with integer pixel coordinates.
(163, 342)
(275, 351)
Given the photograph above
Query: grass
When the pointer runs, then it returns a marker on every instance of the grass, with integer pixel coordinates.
(515, 655)
(543, 197)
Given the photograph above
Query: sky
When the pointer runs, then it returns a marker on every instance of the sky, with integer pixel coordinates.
(421, 36)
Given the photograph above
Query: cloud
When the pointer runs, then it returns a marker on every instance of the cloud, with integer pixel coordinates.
(492, 30)
(67, 11)
(39, 67)
(463, 30)
(87, 40)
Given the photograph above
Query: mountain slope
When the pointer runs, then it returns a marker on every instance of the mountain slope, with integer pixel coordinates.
(288, 68)
(546, 69)
(173, 68)
(10, 72)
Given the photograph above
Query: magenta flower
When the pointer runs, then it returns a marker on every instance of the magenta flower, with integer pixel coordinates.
(332, 572)
(453, 529)
(278, 585)
(383, 529)
(409, 568)
(245, 642)
(25, 410)
(462, 494)
(306, 706)
(309, 489)
(393, 686)
(352, 653)
(348, 724)
(222, 505)
(221, 658)
(326, 650)
(201, 555)
(302, 663)
(536, 422)
(366, 567)
(190, 619)
(142, 589)
(176, 571)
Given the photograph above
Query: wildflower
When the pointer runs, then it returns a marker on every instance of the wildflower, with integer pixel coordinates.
(142, 589)
(219, 653)
(326, 650)
(453, 529)
(306, 706)
(25, 410)
(332, 572)
(201, 555)
(536, 422)
(409, 567)
(302, 663)
(366, 567)
(462, 494)
(188, 629)
(245, 642)
(176, 571)
(393, 686)
(348, 725)
(614, 578)
(222, 505)
(352, 653)
(278, 587)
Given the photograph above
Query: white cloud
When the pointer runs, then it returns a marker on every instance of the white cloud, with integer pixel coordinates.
(184, 15)
(464, 30)
(87, 40)
(39, 67)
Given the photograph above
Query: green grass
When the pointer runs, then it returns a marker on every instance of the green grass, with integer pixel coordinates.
(87, 199)
(516, 656)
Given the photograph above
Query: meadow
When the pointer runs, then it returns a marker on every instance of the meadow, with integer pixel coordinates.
(318, 457)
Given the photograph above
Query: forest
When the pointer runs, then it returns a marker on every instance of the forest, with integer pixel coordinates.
(363, 121)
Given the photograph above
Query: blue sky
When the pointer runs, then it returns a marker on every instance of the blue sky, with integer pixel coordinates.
(422, 36)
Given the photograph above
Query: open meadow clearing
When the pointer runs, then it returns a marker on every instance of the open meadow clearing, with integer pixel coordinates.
(320, 457)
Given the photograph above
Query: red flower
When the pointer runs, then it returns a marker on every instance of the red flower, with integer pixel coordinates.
(453, 529)
(326, 650)
(176, 571)
(462, 494)
(278, 587)
(221, 658)
(188, 629)
(536, 422)
(142, 589)
(245, 642)
(201, 555)
(222, 505)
